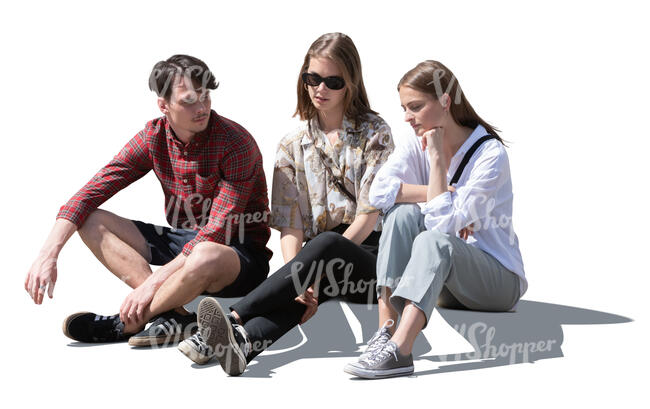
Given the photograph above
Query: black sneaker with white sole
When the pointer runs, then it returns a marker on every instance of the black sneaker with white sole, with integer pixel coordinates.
(93, 328)
(196, 349)
(227, 339)
(169, 328)
(385, 362)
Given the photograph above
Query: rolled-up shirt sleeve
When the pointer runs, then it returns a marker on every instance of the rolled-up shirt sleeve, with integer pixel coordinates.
(398, 169)
(450, 212)
(285, 203)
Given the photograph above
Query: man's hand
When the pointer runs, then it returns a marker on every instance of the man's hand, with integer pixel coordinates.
(311, 301)
(41, 276)
(132, 310)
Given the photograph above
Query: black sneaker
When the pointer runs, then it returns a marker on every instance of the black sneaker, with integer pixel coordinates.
(93, 328)
(196, 349)
(224, 336)
(169, 328)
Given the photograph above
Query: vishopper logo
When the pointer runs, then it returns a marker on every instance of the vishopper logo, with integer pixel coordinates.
(515, 352)
(330, 269)
(177, 209)
(241, 220)
(186, 75)
(176, 205)
(438, 74)
(481, 208)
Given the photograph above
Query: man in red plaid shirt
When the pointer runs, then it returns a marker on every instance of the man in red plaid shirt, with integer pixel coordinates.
(216, 201)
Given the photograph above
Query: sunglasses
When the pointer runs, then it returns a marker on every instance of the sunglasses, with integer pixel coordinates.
(314, 80)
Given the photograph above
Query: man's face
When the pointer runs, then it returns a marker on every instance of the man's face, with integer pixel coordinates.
(188, 108)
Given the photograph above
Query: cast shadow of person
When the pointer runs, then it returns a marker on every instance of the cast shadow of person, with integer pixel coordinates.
(532, 333)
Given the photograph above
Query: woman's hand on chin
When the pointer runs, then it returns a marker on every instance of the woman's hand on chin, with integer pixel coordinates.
(432, 139)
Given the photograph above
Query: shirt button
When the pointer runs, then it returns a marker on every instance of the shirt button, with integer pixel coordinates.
(185, 153)
(185, 181)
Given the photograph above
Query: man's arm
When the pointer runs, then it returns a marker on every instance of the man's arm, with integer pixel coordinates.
(129, 165)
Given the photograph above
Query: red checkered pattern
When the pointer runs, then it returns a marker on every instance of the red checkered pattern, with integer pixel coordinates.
(209, 183)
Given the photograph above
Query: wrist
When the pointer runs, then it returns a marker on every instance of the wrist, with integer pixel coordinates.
(50, 251)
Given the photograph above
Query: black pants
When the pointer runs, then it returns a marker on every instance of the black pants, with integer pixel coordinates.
(347, 270)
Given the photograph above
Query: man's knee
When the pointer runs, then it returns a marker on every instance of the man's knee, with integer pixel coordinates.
(210, 262)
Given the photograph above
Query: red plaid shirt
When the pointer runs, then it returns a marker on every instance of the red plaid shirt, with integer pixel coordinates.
(211, 184)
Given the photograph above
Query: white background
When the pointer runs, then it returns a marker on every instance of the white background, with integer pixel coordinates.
(566, 83)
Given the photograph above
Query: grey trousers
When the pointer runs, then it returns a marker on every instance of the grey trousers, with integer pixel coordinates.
(430, 267)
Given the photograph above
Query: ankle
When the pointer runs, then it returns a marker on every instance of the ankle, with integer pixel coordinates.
(403, 348)
(181, 310)
(236, 317)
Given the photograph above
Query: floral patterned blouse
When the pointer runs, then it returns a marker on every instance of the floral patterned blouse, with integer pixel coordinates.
(304, 195)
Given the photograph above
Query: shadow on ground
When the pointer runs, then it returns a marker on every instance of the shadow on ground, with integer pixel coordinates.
(532, 333)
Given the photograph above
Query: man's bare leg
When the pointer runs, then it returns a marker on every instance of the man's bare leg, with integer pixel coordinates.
(210, 267)
(118, 245)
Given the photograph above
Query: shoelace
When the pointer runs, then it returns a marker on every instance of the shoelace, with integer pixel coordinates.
(105, 317)
(169, 327)
(379, 338)
(383, 353)
(200, 344)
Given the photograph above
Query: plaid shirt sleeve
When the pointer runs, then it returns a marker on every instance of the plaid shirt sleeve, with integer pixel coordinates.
(239, 169)
(129, 165)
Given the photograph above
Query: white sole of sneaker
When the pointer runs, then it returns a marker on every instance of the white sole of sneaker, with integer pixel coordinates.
(217, 332)
(378, 373)
(191, 353)
(163, 340)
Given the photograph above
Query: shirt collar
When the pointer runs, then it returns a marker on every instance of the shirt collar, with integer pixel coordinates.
(476, 134)
(200, 137)
(348, 126)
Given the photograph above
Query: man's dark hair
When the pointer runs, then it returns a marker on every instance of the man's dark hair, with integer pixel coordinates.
(163, 73)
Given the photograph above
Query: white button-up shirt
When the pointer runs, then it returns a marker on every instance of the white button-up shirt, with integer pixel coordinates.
(483, 196)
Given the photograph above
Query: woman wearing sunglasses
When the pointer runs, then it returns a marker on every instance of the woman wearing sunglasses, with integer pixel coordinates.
(321, 182)
(459, 170)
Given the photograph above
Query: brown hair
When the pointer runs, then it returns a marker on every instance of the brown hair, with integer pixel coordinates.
(162, 75)
(433, 78)
(340, 48)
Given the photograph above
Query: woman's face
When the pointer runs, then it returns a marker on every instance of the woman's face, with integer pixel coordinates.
(421, 110)
(323, 98)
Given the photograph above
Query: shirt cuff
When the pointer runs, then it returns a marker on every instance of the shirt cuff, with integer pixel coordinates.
(383, 195)
(437, 204)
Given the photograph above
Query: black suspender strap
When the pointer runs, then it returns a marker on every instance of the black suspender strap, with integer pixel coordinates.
(467, 157)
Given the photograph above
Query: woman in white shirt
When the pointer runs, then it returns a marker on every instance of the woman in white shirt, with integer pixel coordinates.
(447, 236)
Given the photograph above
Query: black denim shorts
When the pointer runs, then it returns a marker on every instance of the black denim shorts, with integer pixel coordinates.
(167, 243)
